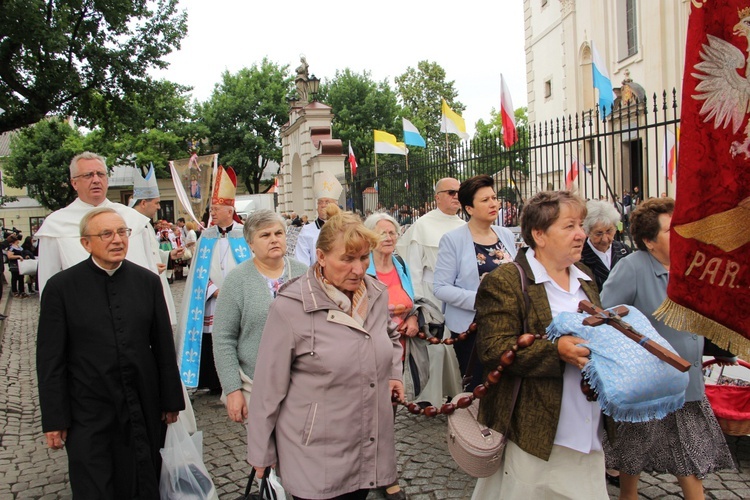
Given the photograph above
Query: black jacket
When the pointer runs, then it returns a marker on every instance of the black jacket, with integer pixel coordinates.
(601, 273)
(107, 367)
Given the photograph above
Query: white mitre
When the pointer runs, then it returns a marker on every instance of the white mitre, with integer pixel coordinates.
(327, 186)
(144, 188)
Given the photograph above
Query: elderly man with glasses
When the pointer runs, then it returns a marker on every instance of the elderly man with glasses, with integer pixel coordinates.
(59, 240)
(419, 248)
(108, 378)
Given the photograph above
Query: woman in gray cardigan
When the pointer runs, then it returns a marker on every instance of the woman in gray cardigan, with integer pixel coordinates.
(243, 304)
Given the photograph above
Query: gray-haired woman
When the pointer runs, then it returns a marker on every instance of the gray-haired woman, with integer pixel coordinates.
(601, 251)
(241, 314)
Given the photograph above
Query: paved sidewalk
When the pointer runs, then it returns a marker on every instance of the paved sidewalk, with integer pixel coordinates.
(29, 470)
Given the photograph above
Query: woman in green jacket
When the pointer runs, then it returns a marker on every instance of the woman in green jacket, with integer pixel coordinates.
(555, 434)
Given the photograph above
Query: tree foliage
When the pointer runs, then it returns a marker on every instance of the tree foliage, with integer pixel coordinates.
(421, 90)
(39, 160)
(244, 116)
(58, 57)
(150, 126)
(361, 105)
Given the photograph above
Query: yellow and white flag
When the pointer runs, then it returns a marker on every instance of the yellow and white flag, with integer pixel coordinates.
(452, 123)
(385, 143)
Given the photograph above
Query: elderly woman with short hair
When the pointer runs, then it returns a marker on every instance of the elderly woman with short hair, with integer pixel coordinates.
(687, 443)
(554, 448)
(392, 270)
(241, 313)
(601, 251)
(326, 369)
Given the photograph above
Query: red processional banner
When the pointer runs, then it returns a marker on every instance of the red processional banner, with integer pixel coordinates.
(709, 284)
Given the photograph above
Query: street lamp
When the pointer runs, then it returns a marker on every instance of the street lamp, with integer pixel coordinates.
(313, 85)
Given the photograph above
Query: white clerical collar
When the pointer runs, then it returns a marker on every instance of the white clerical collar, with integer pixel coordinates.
(108, 271)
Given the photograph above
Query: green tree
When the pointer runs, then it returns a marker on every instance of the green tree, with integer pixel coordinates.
(243, 118)
(39, 161)
(421, 91)
(55, 57)
(361, 105)
(145, 127)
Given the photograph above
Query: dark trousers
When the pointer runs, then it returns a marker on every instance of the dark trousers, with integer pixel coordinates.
(101, 461)
(208, 378)
(16, 281)
(463, 353)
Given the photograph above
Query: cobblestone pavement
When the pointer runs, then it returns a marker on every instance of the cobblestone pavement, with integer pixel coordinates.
(29, 470)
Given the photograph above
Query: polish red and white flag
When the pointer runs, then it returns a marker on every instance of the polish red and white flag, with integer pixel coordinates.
(352, 160)
(508, 117)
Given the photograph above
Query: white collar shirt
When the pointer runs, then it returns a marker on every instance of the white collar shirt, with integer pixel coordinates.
(605, 257)
(580, 425)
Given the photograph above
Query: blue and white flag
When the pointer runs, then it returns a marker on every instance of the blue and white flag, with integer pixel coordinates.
(412, 136)
(602, 83)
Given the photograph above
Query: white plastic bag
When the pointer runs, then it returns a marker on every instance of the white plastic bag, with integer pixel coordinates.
(269, 488)
(183, 474)
(27, 267)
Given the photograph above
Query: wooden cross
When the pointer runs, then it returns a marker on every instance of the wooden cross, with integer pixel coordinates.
(614, 316)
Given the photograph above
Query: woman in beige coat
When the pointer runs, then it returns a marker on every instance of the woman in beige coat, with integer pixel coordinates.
(327, 365)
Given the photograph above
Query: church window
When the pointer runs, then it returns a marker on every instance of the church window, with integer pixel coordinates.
(627, 24)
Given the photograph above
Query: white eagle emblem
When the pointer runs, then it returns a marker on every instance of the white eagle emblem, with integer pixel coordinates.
(725, 92)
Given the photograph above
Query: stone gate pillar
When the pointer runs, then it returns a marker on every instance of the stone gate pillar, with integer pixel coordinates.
(307, 149)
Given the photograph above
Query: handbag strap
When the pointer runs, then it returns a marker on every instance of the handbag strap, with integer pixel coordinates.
(473, 357)
(249, 483)
(266, 492)
(527, 302)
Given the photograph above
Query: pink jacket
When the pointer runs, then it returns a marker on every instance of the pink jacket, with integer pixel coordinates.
(320, 406)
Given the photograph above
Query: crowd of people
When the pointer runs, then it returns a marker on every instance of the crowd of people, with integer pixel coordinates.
(309, 331)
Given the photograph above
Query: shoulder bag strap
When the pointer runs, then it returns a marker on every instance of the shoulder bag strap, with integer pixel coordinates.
(473, 357)
(526, 312)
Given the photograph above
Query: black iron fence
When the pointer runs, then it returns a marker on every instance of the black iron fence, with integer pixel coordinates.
(635, 145)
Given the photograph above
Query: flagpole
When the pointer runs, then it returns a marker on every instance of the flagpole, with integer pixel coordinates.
(376, 164)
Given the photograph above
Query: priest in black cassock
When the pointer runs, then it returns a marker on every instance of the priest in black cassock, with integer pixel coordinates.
(108, 377)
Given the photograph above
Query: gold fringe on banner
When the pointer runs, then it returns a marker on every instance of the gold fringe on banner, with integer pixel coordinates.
(681, 318)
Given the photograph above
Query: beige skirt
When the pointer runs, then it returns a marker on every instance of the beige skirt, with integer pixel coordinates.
(567, 474)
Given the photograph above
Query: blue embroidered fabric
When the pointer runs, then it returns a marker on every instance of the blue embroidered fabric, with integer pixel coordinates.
(190, 357)
(633, 385)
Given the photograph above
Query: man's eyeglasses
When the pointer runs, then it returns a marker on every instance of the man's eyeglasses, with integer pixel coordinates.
(449, 192)
(123, 232)
(90, 175)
